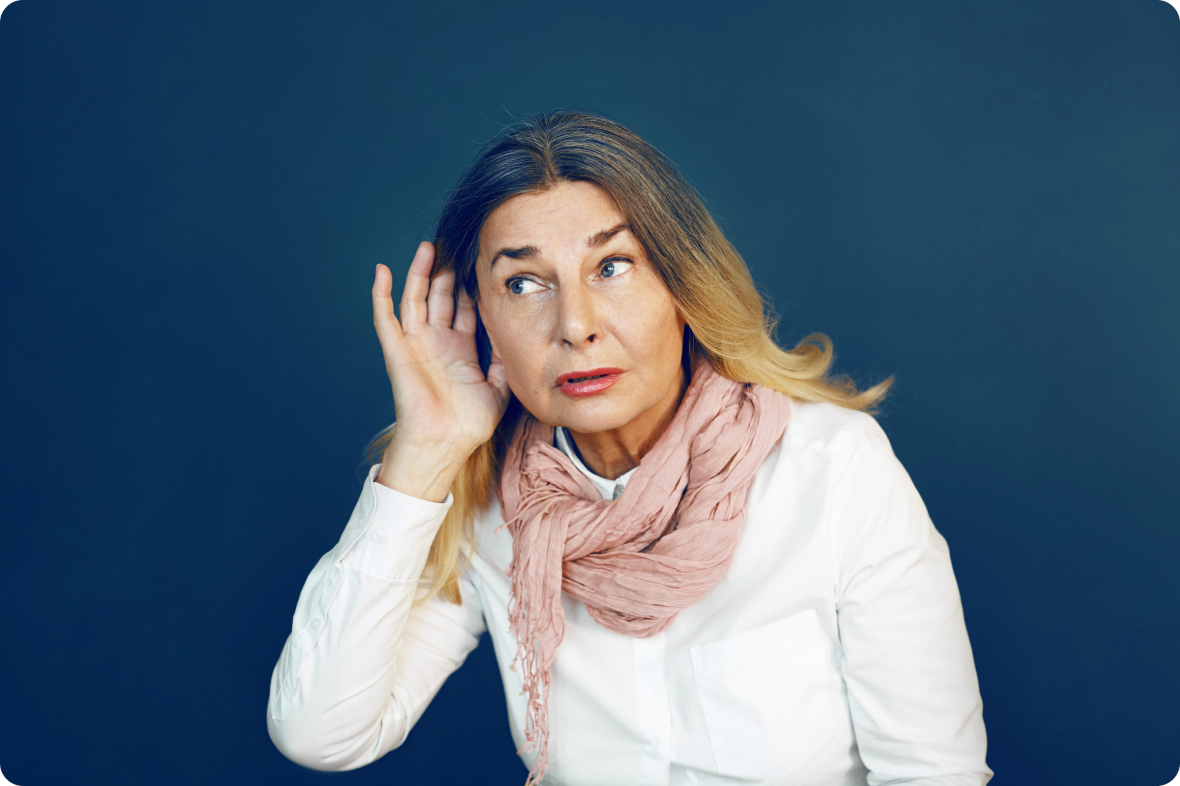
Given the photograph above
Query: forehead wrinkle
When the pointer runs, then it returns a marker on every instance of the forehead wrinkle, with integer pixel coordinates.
(524, 252)
(597, 240)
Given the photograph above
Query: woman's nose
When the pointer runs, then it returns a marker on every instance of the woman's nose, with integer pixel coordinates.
(578, 319)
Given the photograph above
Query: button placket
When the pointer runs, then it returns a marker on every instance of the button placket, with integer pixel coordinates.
(655, 712)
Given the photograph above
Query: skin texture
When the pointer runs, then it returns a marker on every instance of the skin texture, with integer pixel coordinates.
(571, 305)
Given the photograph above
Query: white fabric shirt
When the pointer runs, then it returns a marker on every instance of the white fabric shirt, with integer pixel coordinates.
(833, 651)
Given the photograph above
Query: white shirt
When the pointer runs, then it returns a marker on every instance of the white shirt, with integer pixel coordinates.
(833, 651)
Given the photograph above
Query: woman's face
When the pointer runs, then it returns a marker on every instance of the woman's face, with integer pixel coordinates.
(564, 287)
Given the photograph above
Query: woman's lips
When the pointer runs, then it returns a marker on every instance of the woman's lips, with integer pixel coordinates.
(587, 383)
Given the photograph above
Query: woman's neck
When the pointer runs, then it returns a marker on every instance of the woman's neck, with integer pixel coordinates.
(615, 452)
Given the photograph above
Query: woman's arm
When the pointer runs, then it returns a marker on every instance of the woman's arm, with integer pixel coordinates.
(360, 664)
(912, 687)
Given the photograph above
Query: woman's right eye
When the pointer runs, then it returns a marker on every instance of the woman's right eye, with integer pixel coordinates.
(520, 286)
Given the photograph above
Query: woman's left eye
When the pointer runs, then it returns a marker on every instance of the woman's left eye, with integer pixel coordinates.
(615, 267)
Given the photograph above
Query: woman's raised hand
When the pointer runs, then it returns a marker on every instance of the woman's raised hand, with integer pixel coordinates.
(445, 406)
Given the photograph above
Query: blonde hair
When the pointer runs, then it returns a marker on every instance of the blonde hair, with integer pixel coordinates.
(711, 285)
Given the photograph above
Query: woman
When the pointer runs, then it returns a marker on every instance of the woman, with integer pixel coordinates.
(697, 556)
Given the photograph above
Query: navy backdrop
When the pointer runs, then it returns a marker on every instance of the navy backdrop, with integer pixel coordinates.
(983, 199)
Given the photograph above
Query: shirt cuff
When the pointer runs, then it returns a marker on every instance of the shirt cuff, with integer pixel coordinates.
(390, 532)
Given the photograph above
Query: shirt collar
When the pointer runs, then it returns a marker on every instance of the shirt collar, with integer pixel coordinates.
(609, 489)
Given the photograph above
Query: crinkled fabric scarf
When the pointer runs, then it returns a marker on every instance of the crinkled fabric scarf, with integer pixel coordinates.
(638, 560)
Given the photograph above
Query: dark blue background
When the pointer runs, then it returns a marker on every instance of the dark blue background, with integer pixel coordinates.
(982, 198)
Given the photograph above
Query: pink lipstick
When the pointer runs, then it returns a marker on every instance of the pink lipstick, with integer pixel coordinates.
(587, 383)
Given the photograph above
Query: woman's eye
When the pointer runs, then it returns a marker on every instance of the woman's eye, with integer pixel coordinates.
(615, 267)
(520, 286)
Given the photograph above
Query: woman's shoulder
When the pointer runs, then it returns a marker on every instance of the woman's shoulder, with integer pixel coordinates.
(832, 429)
(841, 450)
(841, 453)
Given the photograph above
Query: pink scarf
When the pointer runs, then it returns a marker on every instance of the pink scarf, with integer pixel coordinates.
(638, 560)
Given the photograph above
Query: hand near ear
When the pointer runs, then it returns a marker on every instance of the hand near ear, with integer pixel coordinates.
(446, 407)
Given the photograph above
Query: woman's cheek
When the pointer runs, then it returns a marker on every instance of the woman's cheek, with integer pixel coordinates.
(642, 322)
(524, 353)
(517, 321)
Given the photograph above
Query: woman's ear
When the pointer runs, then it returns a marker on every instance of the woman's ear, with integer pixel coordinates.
(492, 342)
(483, 342)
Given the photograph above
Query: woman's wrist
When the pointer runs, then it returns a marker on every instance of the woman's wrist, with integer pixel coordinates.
(423, 471)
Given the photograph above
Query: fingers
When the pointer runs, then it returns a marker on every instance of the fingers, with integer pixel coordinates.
(413, 305)
(465, 318)
(440, 303)
(389, 331)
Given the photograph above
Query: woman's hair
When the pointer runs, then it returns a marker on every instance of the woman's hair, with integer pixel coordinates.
(709, 282)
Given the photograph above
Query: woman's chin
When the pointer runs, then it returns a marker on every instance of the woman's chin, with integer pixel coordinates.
(591, 414)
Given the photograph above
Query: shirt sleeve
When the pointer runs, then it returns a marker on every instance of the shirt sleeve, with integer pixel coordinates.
(361, 663)
(912, 687)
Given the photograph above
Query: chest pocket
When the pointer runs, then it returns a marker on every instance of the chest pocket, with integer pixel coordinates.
(771, 696)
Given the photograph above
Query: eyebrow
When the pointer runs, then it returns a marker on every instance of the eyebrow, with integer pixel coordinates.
(597, 240)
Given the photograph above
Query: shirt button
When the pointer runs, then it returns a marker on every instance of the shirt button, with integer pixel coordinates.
(315, 624)
(380, 535)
